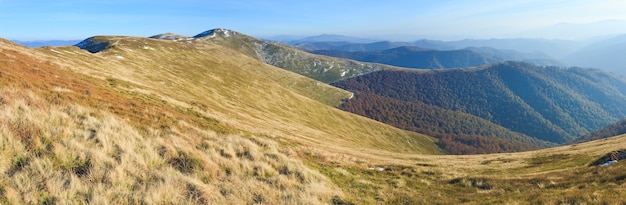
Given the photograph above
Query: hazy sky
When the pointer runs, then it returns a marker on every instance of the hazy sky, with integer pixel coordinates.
(437, 19)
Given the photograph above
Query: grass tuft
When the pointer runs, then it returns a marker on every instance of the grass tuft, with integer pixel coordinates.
(81, 166)
(186, 163)
(17, 164)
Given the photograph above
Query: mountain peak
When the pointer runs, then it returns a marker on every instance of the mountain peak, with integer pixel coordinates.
(213, 32)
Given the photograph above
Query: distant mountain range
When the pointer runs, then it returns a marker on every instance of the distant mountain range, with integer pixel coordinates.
(415, 57)
(552, 48)
(330, 38)
(35, 44)
(607, 54)
(601, 52)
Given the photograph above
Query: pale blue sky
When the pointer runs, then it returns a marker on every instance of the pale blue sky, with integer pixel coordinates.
(443, 19)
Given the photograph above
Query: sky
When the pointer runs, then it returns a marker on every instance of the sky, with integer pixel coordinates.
(399, 19)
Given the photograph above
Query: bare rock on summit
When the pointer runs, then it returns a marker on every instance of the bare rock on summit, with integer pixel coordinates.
(94, 44)
(170, 36)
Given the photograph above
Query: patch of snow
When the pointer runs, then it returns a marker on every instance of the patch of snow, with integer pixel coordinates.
(148, 48)
(343, 73)
(119, 57)
(609, 163)
(226, 33)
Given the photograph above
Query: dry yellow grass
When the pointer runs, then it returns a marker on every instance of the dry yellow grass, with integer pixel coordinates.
(220, 83)
(72, 154)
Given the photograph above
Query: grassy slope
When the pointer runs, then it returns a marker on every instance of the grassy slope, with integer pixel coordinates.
(98, 128)
(172, 121)
(559, 175)
(223, 84)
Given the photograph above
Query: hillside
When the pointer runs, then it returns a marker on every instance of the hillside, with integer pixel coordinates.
(154, 121)
(458, 132)
(547, 103)
(322, 68)
(146, 121)
(617, 128)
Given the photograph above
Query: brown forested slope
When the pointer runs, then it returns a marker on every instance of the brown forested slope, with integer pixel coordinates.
(547, 103)
(458, 132)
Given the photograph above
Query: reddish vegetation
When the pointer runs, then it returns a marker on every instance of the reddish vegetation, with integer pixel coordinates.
(459, 133)
(23, 71)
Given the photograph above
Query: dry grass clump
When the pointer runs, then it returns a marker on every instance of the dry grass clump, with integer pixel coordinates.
(72, 154)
